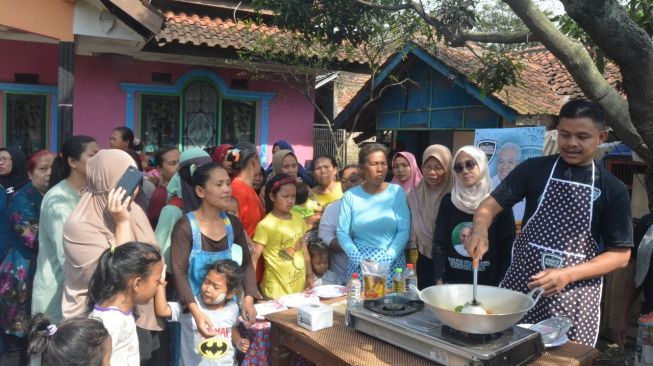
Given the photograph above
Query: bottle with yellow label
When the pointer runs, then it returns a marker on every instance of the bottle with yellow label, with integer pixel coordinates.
(398, 282)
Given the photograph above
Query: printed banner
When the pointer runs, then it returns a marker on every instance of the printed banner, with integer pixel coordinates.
(505, 148)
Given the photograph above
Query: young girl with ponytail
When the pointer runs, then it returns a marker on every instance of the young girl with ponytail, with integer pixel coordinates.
(75, 342)
(125, 276)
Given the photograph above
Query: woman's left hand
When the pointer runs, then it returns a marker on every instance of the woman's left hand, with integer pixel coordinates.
(248, 311)
(119, 210)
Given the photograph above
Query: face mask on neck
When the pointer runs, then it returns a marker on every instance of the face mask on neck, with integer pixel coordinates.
(218, 300)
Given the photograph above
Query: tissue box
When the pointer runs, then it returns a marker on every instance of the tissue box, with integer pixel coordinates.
(315, 316)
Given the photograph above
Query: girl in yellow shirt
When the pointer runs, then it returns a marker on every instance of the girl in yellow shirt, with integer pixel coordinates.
(279, 237)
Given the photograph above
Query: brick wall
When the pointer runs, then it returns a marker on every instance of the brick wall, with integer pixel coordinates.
(346, 85)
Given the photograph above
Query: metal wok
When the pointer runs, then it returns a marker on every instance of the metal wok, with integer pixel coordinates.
(505, 307)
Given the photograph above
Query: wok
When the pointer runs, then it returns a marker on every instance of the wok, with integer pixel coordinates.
(506, 307)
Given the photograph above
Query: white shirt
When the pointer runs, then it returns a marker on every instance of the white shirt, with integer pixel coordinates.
(338, 262)
(199, 351)
(328, 278)
(122, 329)
(518, 208)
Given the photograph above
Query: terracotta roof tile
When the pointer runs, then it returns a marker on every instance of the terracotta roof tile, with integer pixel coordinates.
(545, 84)
(225, 33)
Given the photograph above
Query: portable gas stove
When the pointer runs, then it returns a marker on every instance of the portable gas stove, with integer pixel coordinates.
(423, 334)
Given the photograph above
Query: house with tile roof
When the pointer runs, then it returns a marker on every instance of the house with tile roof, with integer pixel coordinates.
(440, 103)
(168, 69)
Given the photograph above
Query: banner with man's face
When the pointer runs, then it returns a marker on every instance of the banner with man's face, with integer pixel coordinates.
(505, 148)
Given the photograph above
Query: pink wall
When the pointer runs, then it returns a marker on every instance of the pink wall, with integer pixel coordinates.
(28, 58)
(289, 113)
(100, 103)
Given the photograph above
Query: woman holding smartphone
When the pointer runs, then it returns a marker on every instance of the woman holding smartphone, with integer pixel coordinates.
(102, 220)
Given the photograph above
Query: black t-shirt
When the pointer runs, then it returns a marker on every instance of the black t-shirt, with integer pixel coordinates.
(611, 216)
(450, 260)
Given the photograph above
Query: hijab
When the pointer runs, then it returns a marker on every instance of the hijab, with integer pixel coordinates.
(90, 230)
(191, 159)
(18, 175)
(277, 162)
(220, 153)
(283, 145)
(174, 186)
(468, 199)
(415, 173)
(424, 201)
(301, 171)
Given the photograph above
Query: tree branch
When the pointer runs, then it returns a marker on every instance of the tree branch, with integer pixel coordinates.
(498, 37)
(417, 8)
(455, 37)
(395, 7)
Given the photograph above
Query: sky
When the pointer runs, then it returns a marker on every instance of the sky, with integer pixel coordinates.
(554, 6)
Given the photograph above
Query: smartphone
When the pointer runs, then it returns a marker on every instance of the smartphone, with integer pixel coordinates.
(129, 181)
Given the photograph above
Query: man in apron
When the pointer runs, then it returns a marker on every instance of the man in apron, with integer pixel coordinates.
(572, 204)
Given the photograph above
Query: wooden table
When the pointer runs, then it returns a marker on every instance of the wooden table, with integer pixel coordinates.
(340, 345)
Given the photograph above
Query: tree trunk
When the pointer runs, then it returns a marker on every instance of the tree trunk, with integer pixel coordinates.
(625, 42)
(581, 67)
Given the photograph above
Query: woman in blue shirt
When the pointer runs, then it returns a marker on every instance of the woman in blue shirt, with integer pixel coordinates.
(374, 220)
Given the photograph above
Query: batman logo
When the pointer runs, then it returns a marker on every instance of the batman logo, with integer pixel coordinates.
(213, 348)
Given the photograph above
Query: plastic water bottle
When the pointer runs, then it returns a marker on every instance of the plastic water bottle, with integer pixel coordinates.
(354, 295)
(411, 280)
(644, 345)
(398, 282)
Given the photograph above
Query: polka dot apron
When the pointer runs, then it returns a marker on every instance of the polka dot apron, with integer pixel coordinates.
(559, 235)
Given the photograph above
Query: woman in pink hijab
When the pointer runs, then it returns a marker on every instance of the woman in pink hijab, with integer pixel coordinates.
(405, 170)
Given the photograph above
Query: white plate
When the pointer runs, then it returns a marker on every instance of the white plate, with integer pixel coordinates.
(268, 307)
(297, 300)
(329, 291)
(555, 343)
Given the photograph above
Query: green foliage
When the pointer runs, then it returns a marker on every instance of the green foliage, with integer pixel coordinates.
(569, 27)
(497, 71)
(642, 12)
(498, 17)
(325, 30)
(333, 26)
(456, 14)
(335, 21)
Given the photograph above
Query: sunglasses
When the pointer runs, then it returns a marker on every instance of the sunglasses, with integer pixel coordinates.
(467, 164)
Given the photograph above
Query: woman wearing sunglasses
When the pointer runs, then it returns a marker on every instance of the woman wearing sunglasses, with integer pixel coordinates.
(471, 184)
